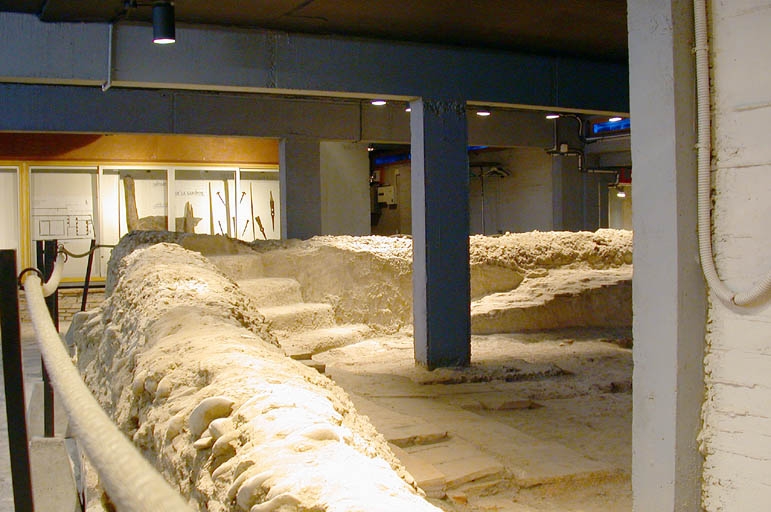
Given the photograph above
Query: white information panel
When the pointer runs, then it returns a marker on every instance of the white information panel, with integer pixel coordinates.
(62, 208)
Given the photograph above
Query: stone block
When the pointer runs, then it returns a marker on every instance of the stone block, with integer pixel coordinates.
(53, 483)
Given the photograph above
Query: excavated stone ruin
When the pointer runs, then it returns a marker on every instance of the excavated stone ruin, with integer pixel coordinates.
(188, 353)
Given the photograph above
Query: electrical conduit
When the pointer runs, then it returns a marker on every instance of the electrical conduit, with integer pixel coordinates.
(760, 290)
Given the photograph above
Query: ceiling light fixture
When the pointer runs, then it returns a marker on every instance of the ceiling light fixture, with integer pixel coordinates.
(615, 119)
(620, 192)
(483, 113)
(552, 116)
(163, 23)
(408, 109)
(378, 103)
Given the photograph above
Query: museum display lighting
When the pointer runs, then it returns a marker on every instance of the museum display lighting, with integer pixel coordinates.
(163, 23)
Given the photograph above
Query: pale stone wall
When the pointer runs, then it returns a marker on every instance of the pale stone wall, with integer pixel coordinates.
(183, 361)
(737, 422)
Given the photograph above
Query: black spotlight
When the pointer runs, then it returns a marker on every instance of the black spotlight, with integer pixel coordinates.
(163, 23)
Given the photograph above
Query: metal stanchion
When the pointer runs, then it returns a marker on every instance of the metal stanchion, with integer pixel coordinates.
(14, 383)
(46, 256)
(87, 280)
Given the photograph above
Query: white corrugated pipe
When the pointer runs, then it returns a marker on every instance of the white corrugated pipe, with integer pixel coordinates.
(761, 289)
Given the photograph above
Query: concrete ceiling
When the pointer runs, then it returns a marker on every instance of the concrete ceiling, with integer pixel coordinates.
(586, 28)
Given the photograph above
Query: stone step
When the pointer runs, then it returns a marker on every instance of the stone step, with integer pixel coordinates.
(437, 462)
(238, 266)
(399, 429)
(316, 365)
(299, 317)
(313, 342)
(272, 291)
(53, 482)
(564, 299)
(459, 461)
(528, 460)
(431, 480)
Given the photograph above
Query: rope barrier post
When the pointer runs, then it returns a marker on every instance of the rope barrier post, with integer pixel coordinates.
(14, 383)
(87, 280)
(46, 256)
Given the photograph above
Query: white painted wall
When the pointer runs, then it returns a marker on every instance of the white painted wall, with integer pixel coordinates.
(517, 203)
(9, 209)
(737, 412)
(345, 207)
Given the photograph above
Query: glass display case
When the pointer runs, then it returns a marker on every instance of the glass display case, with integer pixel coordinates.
(260, 205)
(62, 208)
(78, 204)
(9, 203)
(130, 198)
(205, 201)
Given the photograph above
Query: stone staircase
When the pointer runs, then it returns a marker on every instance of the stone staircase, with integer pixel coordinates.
(441, 444)
(441, 463)
(303, 329)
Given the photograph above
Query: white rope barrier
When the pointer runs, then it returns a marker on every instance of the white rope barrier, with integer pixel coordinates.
(130, 481)
(56, 276)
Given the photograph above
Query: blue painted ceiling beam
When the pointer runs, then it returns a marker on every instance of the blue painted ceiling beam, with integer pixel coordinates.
(226, 59)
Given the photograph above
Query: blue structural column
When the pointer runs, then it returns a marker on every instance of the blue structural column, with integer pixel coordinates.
(300, 175)
(440, 233)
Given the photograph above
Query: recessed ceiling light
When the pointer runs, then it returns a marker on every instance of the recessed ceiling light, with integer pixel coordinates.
(552, 116)
(378, 103)
(615, 119)
(483, 113)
